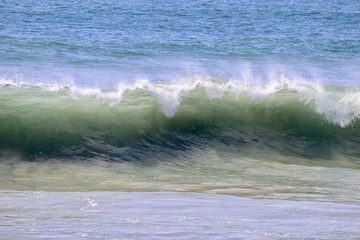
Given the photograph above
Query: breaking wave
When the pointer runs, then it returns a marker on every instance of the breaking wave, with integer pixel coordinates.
(134, 119)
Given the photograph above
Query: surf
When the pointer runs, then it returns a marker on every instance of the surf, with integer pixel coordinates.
(40, 119)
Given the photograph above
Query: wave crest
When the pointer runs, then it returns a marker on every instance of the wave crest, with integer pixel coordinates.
(338, 104)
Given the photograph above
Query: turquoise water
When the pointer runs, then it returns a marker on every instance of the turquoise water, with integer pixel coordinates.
(231, 105)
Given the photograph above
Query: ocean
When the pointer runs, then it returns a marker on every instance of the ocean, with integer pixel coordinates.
(180, 119)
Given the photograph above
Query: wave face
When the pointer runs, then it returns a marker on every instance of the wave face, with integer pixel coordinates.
(146, 121)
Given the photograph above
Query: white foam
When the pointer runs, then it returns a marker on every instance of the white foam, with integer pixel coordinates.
(49, 87)
(339, 107)
(341, 111)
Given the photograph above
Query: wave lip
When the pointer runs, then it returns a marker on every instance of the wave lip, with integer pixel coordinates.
(339, 105)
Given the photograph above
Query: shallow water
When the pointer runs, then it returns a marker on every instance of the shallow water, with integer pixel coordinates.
(318, 180)
(164, 215)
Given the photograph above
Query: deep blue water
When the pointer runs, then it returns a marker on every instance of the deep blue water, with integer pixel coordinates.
(105, 42)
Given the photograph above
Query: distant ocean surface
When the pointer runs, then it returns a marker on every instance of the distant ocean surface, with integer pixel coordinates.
(143, 119)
